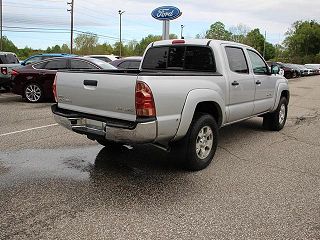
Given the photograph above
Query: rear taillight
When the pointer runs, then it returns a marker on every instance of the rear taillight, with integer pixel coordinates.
(14, 73)
(54, 89)
(4, 70)
(145, 106)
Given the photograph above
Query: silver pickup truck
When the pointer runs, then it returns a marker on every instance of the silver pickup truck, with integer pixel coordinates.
(184, 91)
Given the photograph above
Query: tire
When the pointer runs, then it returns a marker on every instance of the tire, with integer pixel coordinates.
(197, 148)
(276, 120)
(33, 93)
(110, 145)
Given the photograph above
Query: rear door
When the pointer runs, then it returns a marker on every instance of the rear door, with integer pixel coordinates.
(241, 84)
(265, 83)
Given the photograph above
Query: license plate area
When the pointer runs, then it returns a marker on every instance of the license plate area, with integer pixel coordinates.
(94, 124)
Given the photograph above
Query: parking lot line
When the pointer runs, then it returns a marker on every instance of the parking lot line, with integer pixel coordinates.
(29, 129)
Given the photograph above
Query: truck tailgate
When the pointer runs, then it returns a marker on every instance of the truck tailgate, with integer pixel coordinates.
(104, 94)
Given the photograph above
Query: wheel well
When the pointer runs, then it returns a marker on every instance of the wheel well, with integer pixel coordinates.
(211, 108)
(285, 94)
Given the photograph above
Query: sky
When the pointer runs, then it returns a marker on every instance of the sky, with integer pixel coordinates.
(42, 23)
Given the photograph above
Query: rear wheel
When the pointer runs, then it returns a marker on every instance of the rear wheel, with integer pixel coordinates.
(198, 147)
(33, 92)
(276, 120)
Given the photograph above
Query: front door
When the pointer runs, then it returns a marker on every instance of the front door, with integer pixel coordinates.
(265, 83)
(241, 85)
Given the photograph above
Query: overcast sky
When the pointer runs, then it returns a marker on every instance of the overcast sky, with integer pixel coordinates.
(101, 17)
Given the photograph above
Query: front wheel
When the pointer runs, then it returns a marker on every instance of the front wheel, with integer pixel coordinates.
(276, 120)
(33, 93)
(198, 147)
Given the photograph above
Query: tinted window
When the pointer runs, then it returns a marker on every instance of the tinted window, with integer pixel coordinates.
(134, 65)
(199, 58)
(156, 58)
(176, 57)
(124, 65)
(237, 60)
(78, 64)
(258, 65)
(192, 58)
(56, 64)
(12, 58)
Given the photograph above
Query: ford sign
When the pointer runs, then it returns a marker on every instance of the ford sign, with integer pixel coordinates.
(166, 13)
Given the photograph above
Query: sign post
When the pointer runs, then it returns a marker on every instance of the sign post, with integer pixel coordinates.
(165, 14)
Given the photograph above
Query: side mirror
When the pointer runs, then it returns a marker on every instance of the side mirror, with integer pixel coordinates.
(275, 69)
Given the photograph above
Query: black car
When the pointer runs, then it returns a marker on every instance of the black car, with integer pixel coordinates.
(127, 63)
(34, 82)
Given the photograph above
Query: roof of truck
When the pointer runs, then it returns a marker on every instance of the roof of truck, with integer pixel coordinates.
(195, 42)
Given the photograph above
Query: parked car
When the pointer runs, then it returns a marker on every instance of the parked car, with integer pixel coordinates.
(43, 56)
(106, 58)
(184, 91)
(288, 71)
(127, 63)
(314, 70)
(8, 61)
(34, 82)
(303, 70)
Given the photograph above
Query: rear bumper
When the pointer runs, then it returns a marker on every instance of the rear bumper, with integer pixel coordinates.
(141, 132)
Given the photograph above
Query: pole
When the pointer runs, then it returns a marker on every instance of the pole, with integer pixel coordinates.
(182, 26)
(165, 29)
(71, 32)
(120, 47)
(264, 44)
(1, 25)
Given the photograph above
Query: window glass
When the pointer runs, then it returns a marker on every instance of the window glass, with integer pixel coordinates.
(156, 58)
(40, 65)
(237, 60)
(33, 60)
(102, 64)
(191, 58)
(134, 65)
(199, 58)
(124, 65)
(258, 65)
(56, 64)
(79, 64)
(176, 57)
(12, 59)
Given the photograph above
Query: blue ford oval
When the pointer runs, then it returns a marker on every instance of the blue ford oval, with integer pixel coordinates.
(166, 13)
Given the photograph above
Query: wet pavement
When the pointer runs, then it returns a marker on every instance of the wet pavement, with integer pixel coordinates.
(55, 184)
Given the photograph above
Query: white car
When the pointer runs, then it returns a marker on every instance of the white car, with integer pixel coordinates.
(106, 58)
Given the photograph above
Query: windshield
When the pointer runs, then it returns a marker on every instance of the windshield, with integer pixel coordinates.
(102, 64)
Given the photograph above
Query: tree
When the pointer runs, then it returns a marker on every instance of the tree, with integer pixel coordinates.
(8, 45)
(218, 31)
(85, 43)
(239, 32)
(65, 48)
(303, 41)
(255, 39)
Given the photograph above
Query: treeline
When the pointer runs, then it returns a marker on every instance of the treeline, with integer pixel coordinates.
(301, 45)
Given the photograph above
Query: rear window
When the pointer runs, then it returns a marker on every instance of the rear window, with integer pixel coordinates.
(189, 58)
(9, 59)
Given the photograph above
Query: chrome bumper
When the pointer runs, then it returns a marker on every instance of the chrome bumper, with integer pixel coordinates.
(142, 133)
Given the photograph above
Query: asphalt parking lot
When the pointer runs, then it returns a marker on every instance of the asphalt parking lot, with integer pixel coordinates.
(56, 184)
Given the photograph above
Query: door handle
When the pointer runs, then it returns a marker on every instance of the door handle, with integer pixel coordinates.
(235, 83)
(258, 82)
(93, 83)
